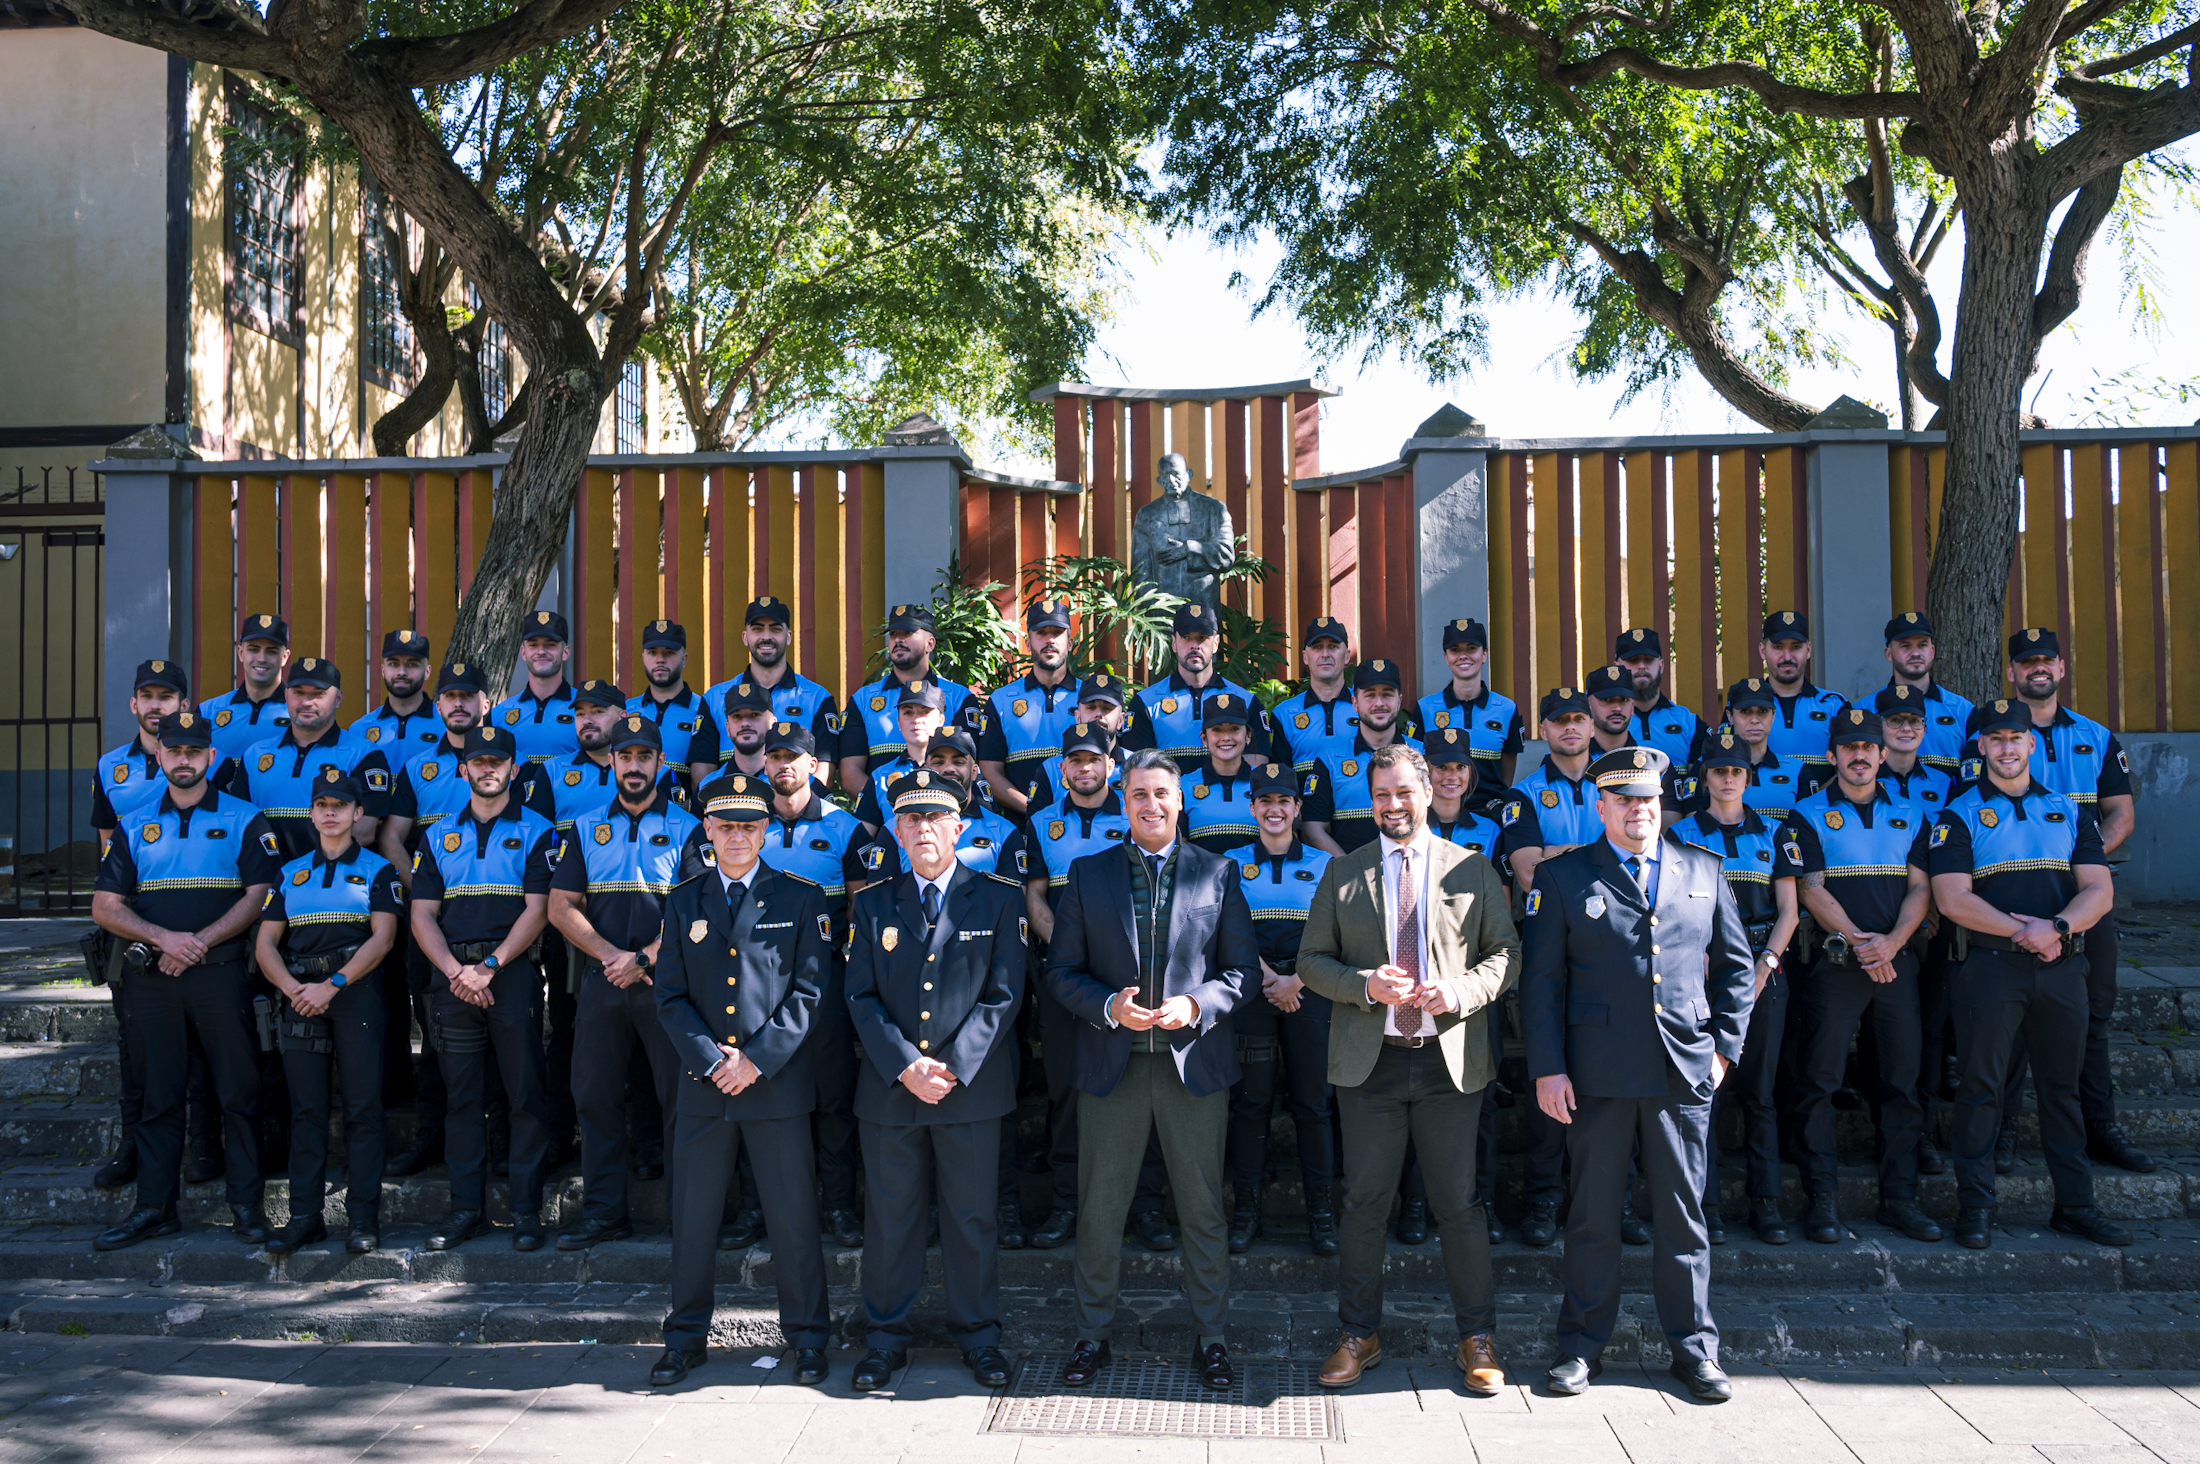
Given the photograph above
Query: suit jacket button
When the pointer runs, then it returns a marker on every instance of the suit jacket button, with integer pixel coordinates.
(1655, 978)
(924, 1016)
(1653, 948)
(927, 986)
(931, 958)
(924, 1047)
(729, 1011)
(1653, 922)
(1656, 1008)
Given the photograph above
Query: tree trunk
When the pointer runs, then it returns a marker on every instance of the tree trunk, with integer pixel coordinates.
(1968, 585)
(394, 429)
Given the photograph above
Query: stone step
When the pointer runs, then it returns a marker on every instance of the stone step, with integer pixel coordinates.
(59, 1070)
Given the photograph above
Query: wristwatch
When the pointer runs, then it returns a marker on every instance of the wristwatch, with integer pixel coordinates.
(2062, 926)
(339, 981)
(1772, 957)
(490, 963)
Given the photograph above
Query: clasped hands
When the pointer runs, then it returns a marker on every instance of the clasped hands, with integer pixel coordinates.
(179, 952)
(2039, 937)
(1876, 953)
(470, 984)
(1395, 986)
(928, 1078)
(624, 969)
(735, 1073)
(1175, 1013)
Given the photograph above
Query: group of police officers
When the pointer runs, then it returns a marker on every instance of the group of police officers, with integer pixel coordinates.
(643, 928)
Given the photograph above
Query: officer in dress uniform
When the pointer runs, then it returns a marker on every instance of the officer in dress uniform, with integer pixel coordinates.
(1099, 704)
(1635, 996)
(1857, 855)
(406, 723)
(1743, 841)
(607, 899)
(1166, 714)
(873, 733)
(1490, 720)
(540, 715)
(480, 900)
(1904, 718)
(1910, 653)
(1025, 720)
(1340, 809)
(667, 699)
(1284, 1031)
(738, 982)
(1802, 712)
(282, 775)
(2020, 868)
(254, 711)
(935, 974)
(180, 886)
(330, 920)
(766, 633)
(1305, 720)
(986, 836)
(1218, 799)
(1659, 721)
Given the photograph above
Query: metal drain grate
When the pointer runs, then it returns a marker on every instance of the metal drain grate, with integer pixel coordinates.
(1149, 1397)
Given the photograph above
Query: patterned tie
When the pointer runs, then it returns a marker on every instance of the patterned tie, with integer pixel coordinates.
(931, 905)
(1409, 938)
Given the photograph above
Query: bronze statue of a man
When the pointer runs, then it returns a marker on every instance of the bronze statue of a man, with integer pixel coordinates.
(1182, 540)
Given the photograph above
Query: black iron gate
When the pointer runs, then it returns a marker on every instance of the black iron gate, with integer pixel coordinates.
(50, 552)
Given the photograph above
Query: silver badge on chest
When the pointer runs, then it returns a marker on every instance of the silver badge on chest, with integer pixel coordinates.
(1593, 907)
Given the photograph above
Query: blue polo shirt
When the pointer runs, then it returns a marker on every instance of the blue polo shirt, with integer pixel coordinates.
(2021, 852)
(987, 842)
(796, 699)
(1670, 728)
(1800, 724)
(541, 727)
(1865, 850)
(128, 781)
(1947, 727)
(1218, 811)
(1047, 789)
(1302, 723)
(1024, 723)
(1336, 793)
(1068, 832)
(328, 904)
(1925, 783)
(1492, 724)
(1469, 831)
(239, 721)
(398, 736)
(433, 787)
(1279, 889)
(624, 864)
(678, 719)
(1167, 715)
(873, 724)
(823, 844)
(1745, 851)
(483, 872)
(278, 776)
(182, 868)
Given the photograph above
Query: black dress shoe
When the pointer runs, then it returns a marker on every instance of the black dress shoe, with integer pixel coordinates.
(745, 1229)
(1764, 1218)
(1244, 1230)
(1633, 1229)
(647, 1169)
(2088, 1223)
(414, 1157)
(1847, 1099)
(674, 1367)
(594, 1232)
(877, 1370)
(1975, 1227)
(1714, 1225)
(462, 1226)
(302, 1230)
(988, 1367)
(842, 1228)
(1706, 1382)
(365, 1238)
(1822, 1221)
(1496, 1226)
(1570, 1377)
(527, 1234)
(2105, 1144)
(1412, 1222)
(1008, 1225)
(1928, 1158)
(2005, 1154)
(1085, 1361)
(1539, 1227)
(1212, 1363)
(810, 1366)
(251, 1224)
(145, 1224)
(1153, 1231)
(202, 1168)
(1058, 1229)
(118, 1171)
(1905, 1216)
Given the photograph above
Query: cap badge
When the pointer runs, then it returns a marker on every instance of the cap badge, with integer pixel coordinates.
(660, 625)
(1787, 617)
(266, 621)
(1565, 693)
(889, 937)
(458, 668)
(924, 779)
(186, 719)
(697, 931)
(1642, 759)
(633, 724)
(1856, 718)
(542, 617)
(740, 784)
(2031, 635)
(1459, 625)
(901, 609)
(1910, 616)
(1726, 743)
(159, 666)
(1638, 635)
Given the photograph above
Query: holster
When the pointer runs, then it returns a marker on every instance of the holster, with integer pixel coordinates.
(306, 1034)
(264, 1022)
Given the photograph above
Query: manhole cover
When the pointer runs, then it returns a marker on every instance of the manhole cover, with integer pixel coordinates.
(1149, 1396)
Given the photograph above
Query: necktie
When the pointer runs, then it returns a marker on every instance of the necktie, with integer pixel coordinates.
(737, 894)
(931, 905)
(1634, 869)
(1409, 938)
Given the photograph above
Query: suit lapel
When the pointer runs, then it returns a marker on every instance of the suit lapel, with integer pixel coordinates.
(950, 897)
(907, 904)
(1617, 879)
(1669, 876)
(755, 905)
(715, 912)
(1187, 855)
(1119, 875)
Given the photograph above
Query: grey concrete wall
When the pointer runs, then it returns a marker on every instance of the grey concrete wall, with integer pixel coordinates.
(923, 519)
(2164, 862)
(1851, 584)
(1451, 505)
(145, 614)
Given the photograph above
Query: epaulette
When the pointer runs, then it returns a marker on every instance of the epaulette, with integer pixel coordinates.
(1000, 878)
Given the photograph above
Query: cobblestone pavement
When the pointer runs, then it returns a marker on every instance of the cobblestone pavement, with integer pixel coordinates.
(144, 1399)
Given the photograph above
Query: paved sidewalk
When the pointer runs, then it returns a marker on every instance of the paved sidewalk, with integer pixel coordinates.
(146, 1399)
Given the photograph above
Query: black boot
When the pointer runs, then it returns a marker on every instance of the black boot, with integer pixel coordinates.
(1009, 1225)
(208, 1164)
(1633, 1229)
(2105, 1144)
(2005, 1152)
(1321, 1222)
(1539, 1227)
(1928, 1158)
(1244, 1226)
(1821, 1221)
(1764, 1218)
(1412, 1222)
(118, 1171)
(414, 1157)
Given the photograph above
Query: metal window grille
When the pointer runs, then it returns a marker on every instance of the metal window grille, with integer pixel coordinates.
(263, 225)
(495, 361)
(386, 335)
(630, 428)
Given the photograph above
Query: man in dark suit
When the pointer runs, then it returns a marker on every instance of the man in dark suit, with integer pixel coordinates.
(935, 973)
(1153, 946)
(1635, 995)
(739, 975)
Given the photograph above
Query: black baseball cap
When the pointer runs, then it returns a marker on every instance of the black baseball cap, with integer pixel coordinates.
(404, 643)
(483, 740)
(1857, 724)
(544, 625)
(1609, 683)
(1447, 745)
(162, 673)
(665, 633)
(1325, 627)
(1274, 777)
(2003, 714)
(1561, 701)
(1047, 614)
(263, 627)
(1899, 701)
(747, 696)
(737, 798)
(955, 739)
(2033, 641)
(1193, 618)
(459, 676)
(1370, 674)
(1909, 622)
(1754, 692)
(186, 729)
(1224, 709)
(906, 618)
(599, 693)
(790, 737)
(1466, 631)
(334, 782)
(636, 730)
(1087, 737)
(1783, 625)
(313, 671)
(1724, 751)
(1101, 687)
(767, 607)
(922, 693)
(1642, 642)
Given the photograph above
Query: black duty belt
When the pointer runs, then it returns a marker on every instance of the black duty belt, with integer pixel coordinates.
(473, 953)
(2073, 944)
(322, 966)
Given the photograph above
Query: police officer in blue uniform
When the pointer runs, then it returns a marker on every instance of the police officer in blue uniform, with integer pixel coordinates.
(1904, 717)
(540, 715)
(1100, 700)
(1024, 720)
(1802, 712)
(2020, 868)
(739, 979)
(920, 714)
(615, 869)
(254, 711)
(1218, 799)
(766, 633)
(405, 724)
(986, 836)
(480, 901)
(331, 918)
(666, 698)
(1166, 714)
(1776, 782)
(1635, 996)
(1490, 720)
(1743, 840)
(1910, 653)
(936, 969)
(180, 885)
(872, 735)
(736, 743)
(810, 836)
(1857, 857)
(1305, 720)
(1339, 809)
(1284, 1032)
(280, 775)
(1658, 721)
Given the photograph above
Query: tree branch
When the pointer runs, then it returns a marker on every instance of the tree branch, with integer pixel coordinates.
(231, 36)
(2065, 282)
(1773, 92)
(2113, 137)
(427, 60)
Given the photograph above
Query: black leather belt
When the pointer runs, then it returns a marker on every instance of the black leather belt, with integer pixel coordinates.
(1390, 1041)
(2073, 944)
(473, 953)
(324, 966)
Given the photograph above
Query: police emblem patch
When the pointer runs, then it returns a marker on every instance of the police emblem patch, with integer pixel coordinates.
(1352, 767)
(1313, 781)
(511, 717)
(429, 769)
(878, 703)
(697, 931)
(603, 833)
(1593, 907)
(374, 734)
(451, 841)
(1019, 706)
(267, 843)
(1940, 835)
(150, 834)
(299, 876)
(1023, 930)
(267, 762)
(1302, 721)
(1834, 819)
(1550, 798)
(1252, 871)
(122, 772)
(1509, 816)
(825, 928)
(1056, 828)
(1988, 817)
(573, 779)
(889, 937)
(1168, 706)
(1202, 791)
(1535, 901)
(221, 718)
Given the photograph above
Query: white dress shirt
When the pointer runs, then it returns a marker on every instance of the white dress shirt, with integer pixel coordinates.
(726, 882)
(1422, 847)
(939, 884)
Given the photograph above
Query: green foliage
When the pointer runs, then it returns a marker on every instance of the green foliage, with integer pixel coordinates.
(1112, 605)
(976, 644)
(2135, 397)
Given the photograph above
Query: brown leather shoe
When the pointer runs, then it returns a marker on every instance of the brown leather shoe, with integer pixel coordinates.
(1354, 1355)
(1484, 1374)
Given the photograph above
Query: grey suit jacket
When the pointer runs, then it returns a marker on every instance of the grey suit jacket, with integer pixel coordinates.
(1474, 952)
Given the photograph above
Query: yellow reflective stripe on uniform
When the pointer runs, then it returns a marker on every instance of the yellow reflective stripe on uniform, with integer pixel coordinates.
(450, 891)
(232, 883)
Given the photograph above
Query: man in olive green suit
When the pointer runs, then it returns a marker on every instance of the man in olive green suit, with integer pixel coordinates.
(1411, 940)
